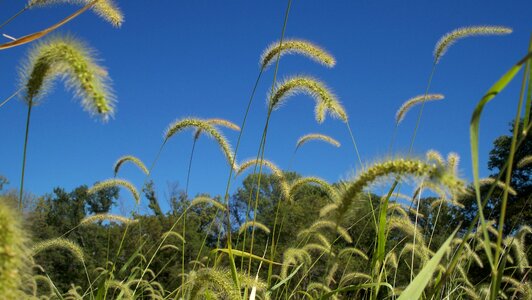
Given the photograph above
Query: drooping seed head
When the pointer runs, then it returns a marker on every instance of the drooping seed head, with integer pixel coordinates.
(106, 217)
(450, 38)
(106, 9)
(488, 181)
(178, 236)
(182, 124)
(71, 61)
(329, 189)
(277, 173)
(326, 101)
(349, 251)
(218, 122)
(525, 161)
(399, 116)
(334, 226)
(113, 182)
(13, 252)
(316, 137)
(255, 224)
(132, 159)
(120, 286)
(293, 46)
(433, 173)
(207, 200)
(69, 245)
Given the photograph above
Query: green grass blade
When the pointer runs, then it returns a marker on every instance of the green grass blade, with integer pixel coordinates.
(417, 286)
(529, 90)
(381, 240)
(278, 285)
(474, 136)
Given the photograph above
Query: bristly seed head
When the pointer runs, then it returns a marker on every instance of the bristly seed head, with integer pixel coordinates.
(316, 136)
(116, 182)
(326, 101)
(447, 40)
(399, 116)
(106, 9)
(72, 61)
(132, 159)
(302, 47)
(206, 127)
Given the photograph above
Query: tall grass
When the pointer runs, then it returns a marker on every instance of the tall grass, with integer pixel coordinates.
(322, 260)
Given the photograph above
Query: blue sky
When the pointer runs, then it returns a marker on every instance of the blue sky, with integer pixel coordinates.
(174, 59)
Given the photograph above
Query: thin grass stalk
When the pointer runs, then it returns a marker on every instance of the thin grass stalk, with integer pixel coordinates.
(396, 183)
(185, 216)
(454, 261)
(12, 96)
(273, 247)
(528, 105)
(226, 196)
(415, 231)
(263, 146)
(435, 224)
(262, 150)
(496, 287)
(250, 197)
(338, 237)
(158, 248)
(30, 104)
(14, 16)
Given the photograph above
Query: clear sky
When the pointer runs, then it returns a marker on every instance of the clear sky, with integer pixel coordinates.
(173, 59)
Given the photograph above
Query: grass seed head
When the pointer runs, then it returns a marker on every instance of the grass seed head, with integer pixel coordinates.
(106, 9)
(450, 38)
(316, 137)
(399, 116)
(69, 245)
(116, 182)
(132, 159)
(106, 217)
(70, 60)
(293, 46)
(182, 124)
(326, 101)
(13, 253)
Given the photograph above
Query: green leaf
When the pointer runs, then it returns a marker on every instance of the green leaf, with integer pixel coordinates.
(286, 279)
(417, 286)
(474, 137)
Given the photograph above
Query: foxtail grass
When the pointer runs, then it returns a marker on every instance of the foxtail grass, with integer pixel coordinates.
(137, 162)
(14, 253)
(69, 245)
(180, 125)
(106, 217)
(450, 38)
(72, 61)
(255, 224)
(399, 116)
(106, 9)
(318, 137)
(293, 46)
(114, 182)
(326, 101)
(525, 161)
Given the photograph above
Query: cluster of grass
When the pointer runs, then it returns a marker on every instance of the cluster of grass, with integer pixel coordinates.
(323, 260)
